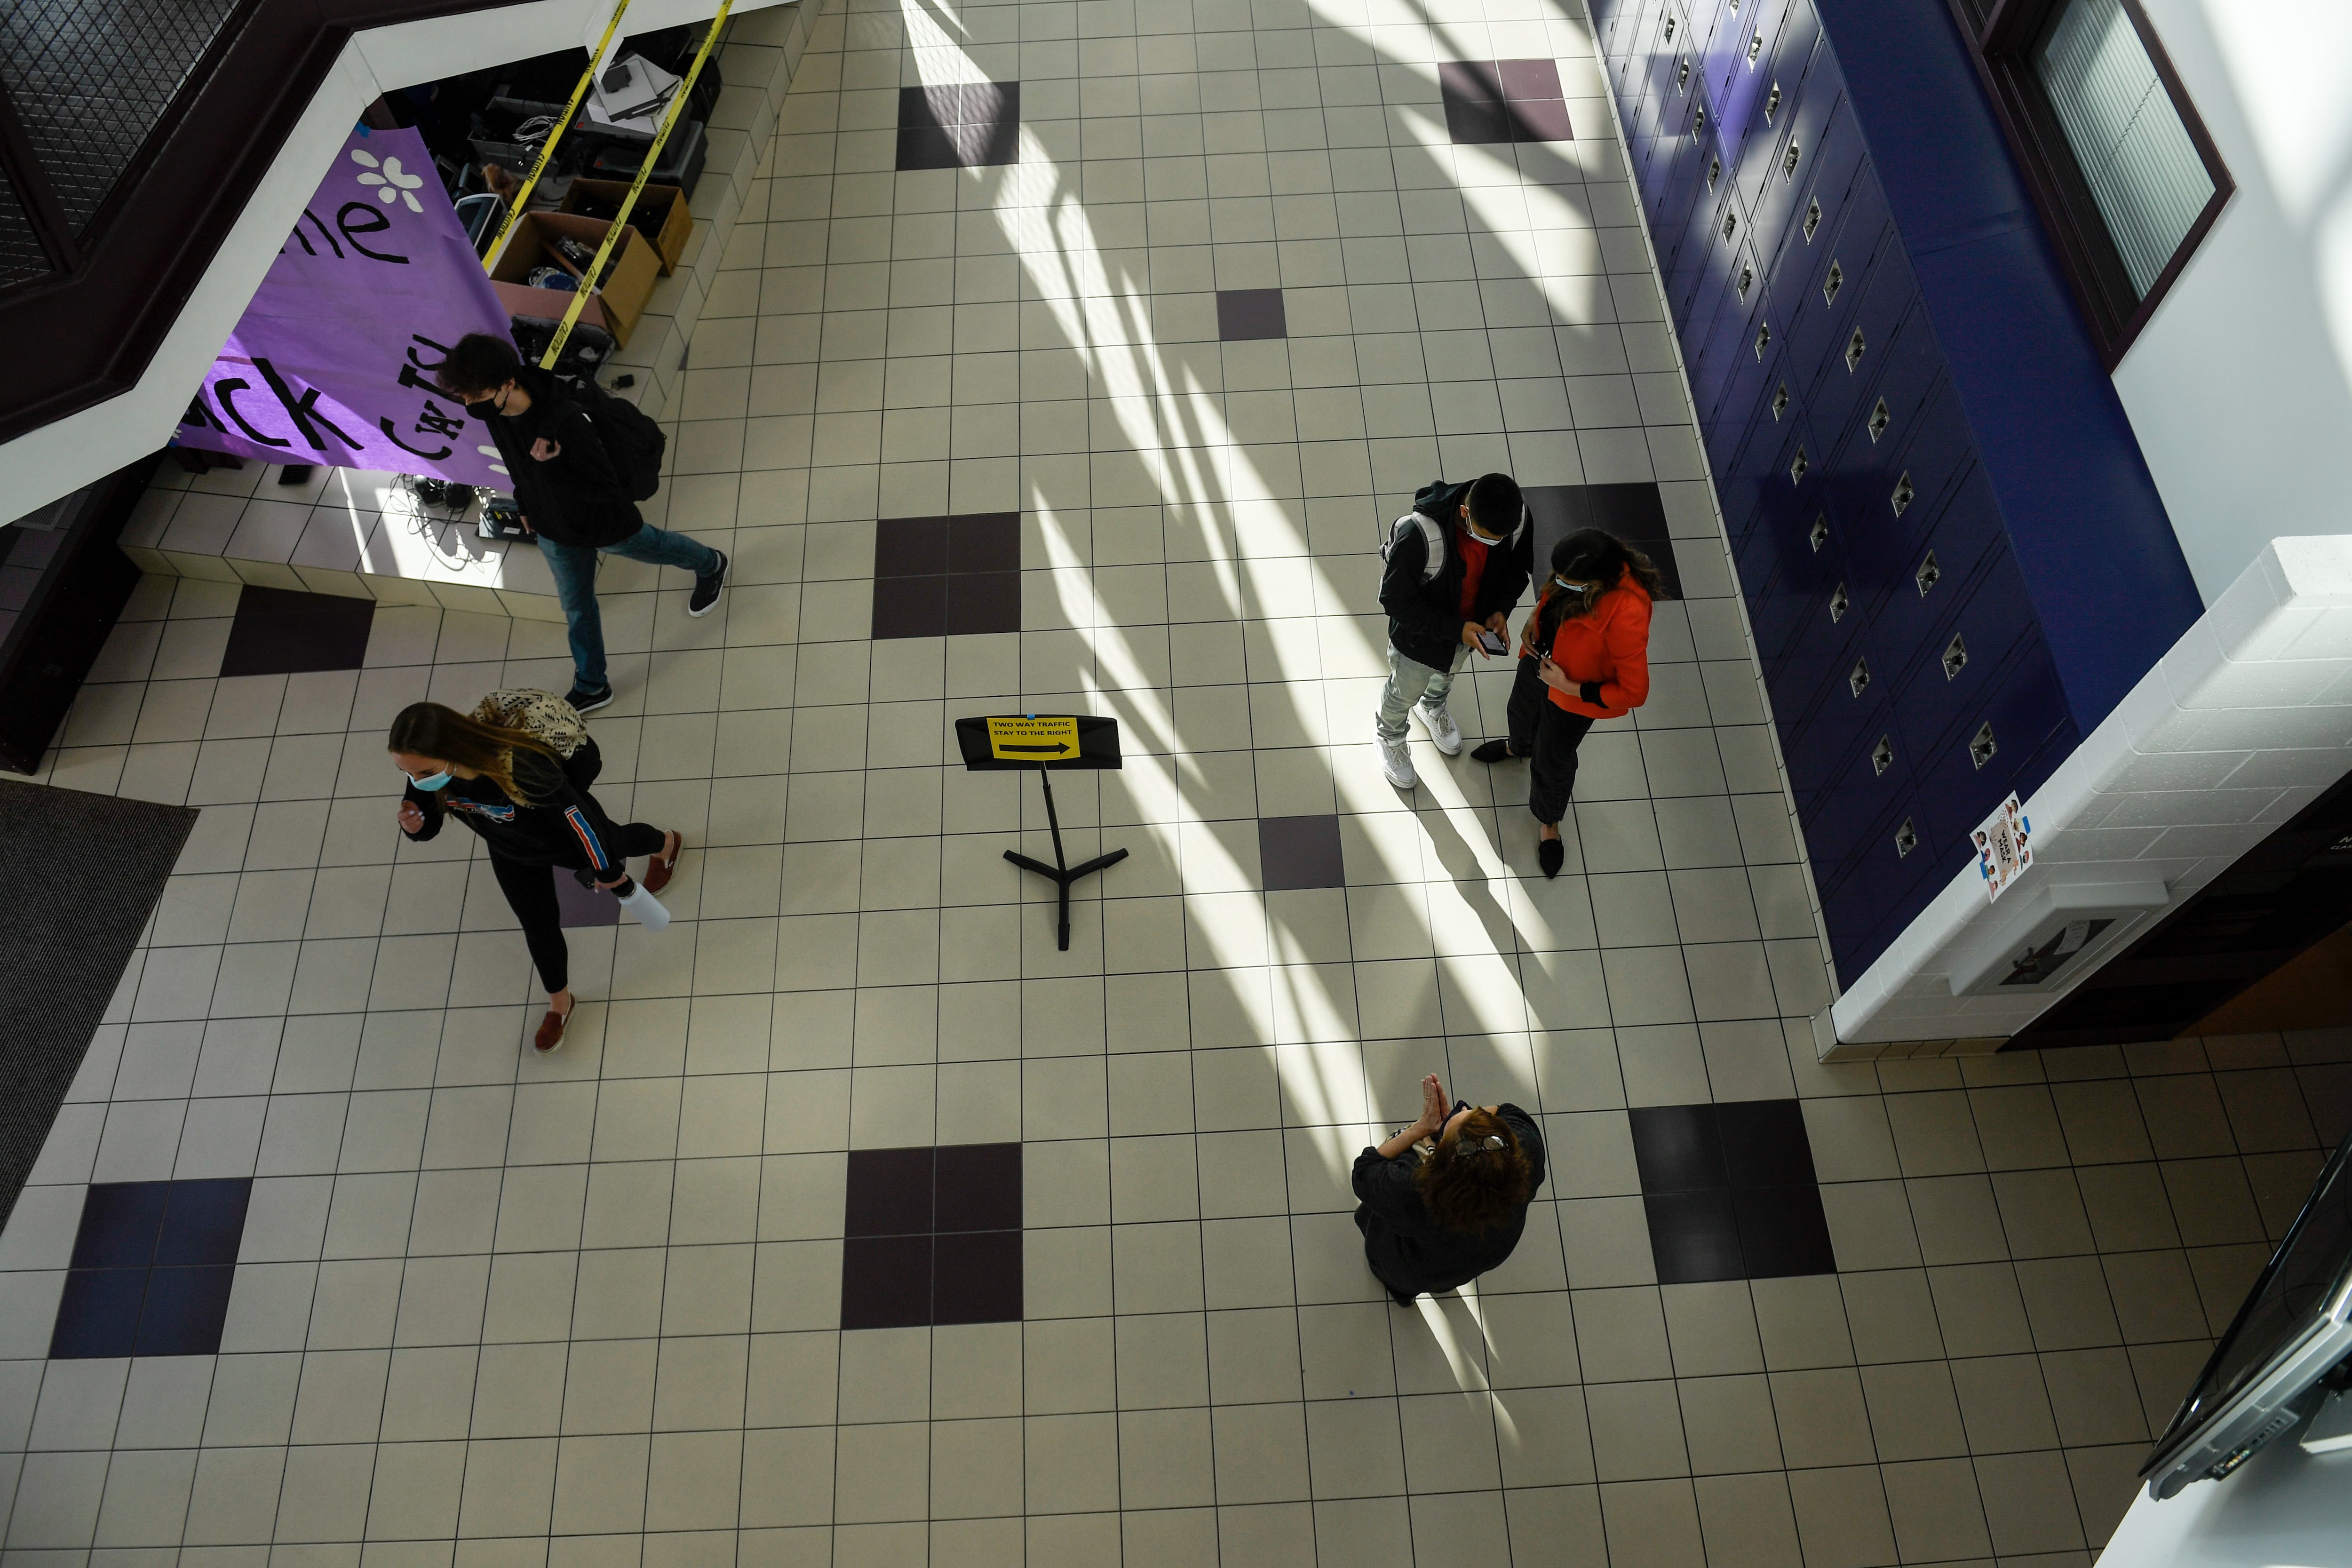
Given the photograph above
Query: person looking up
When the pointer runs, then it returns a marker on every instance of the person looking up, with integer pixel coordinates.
(1457, 564)
(1437, 1220)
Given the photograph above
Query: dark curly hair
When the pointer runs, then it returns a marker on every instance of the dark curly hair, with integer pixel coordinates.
(478, 365)
(1469, 1186)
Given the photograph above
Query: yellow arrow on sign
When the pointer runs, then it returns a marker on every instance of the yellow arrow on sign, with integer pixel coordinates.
(1030, 739)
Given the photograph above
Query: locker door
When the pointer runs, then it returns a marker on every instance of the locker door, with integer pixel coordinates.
(1823, 285)
(1718, 349)
(1741, 486)
(1959, 676)
(1889, 859)
(1873, 778)
(1908, 612)
(1893, 500)
(1753, 380)
(1974, 766)
(1827, 631)
(1745, 76)
(1849, 707)
(1795, 214)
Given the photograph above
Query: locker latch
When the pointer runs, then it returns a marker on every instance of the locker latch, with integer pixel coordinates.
(1681, 77)
(1781, 402)
(1882, 755)
(1929, 574)
(1788, 161)
(1698, 124)
(1879, 420)
(1980, 750)
(1838, 603)
(1715, 173)
(1670, 27)
(1771, 103)
(1956, 657)
(1820, 533)
(1859, 677)
(1833, 283)
(1755, 49)
(1747, 281)
(1730, 224)
(1812, 219)
(1854, 349)
(1903, 495)
(1763, 338)
(1800, 466)
(1906, 839)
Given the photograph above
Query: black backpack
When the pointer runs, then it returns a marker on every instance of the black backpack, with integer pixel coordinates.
(632, 440)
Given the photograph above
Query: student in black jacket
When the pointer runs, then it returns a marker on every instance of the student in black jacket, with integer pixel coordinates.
(571, 495)
(510, 788)
(1457, 563)
(1437, 1223)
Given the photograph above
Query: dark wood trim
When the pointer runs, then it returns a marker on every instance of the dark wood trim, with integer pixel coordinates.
(80, 337)
(2115, 309)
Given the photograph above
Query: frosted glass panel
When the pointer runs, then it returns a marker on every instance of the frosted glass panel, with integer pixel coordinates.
(2144, 171)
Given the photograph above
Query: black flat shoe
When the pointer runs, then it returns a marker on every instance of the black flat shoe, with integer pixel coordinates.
(1551, 855)
(1492, 752)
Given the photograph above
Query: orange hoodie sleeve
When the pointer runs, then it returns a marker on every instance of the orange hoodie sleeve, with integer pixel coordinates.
(1627, 639)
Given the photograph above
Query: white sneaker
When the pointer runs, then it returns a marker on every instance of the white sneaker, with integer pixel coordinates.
(1442, 729)
(1395, 763)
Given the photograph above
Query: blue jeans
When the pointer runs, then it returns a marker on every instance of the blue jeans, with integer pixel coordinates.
(574, 568)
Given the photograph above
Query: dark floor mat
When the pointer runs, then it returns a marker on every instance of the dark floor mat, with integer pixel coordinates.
(79, 874)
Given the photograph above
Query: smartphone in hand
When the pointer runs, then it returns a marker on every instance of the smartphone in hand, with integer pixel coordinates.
(1492, 641)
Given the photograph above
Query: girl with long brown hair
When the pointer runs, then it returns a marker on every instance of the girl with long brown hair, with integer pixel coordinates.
(533, 811)
(1436, 1221)
(1584, 655)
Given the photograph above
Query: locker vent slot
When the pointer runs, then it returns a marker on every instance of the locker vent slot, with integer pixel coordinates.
(1800, 466)
(1832, 283)
(1747, 281)
(1854, 349)
(1788, 161)
(1882, 755)
(1781, 402)
(1956, 657)
(1906, 839)
(1812, 219)
(1838, 603)
(1771, 103)
(1820, 533)
(1681, 77)
(1755, 49)
(1859, 677)
(1981, 748)
(1929, 574)
(1902, 496)
(1880, 418)
(1715, 173)
(1763, 338)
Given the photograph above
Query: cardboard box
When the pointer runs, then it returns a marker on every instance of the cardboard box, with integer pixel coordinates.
(665, 201)
(615, 307)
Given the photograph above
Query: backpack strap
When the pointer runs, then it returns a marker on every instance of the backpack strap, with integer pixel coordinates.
(1433, 540)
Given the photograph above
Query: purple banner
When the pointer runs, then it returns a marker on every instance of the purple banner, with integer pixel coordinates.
(332, 362)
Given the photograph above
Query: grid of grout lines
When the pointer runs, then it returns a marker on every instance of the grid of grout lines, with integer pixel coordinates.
(505, 1312)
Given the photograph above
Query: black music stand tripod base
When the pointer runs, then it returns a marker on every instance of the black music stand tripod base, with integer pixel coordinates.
(1060, 871)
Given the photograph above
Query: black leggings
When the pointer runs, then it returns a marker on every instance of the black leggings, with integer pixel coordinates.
(530, 893)
(1548, 735)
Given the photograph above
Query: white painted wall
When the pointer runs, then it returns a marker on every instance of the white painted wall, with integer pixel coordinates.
(2284, 1509)
(2240, 387)
(64, 456)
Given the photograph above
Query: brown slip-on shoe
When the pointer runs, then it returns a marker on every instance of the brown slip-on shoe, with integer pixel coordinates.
(659, 869)
(551, 1030)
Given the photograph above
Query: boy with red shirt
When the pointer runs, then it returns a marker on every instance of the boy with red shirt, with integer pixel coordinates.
(1457, 564)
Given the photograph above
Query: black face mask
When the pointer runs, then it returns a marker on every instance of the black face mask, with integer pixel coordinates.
(484, 409)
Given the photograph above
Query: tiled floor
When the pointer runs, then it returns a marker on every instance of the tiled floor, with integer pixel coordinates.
(493, 1311)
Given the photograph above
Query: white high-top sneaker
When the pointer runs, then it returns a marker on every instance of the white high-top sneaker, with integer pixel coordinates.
(1395, 763)
(1442, 729)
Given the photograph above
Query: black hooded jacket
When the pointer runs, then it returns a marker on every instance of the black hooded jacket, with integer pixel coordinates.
(574, 496)
(1408, 1248)
(1426, 618)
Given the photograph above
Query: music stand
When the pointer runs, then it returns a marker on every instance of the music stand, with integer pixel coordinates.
(1040, 744)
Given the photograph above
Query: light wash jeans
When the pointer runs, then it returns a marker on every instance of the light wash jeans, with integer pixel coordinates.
(1411, 682)
(574, 568)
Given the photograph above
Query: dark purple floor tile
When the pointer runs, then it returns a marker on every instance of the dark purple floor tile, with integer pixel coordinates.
(984, 541)
(976, 1278)
(1630, 511)
(911, 607)
(584, 907)
(1764, 1143)
(1524, 79)
(1694, 1236)
(282, 633)
(1540, 120)
(119, 1223)
(1783, 1232)
(1245, 315)
(987, 143)
(1471, 81)
(1677, 1148)
(937, 105)
(912, 546)
(1477, 124)
(1300, 852)
(983, 602)
(927, 147)
(204, 1221)
(98, 1315)
(885, 1281)
(890, 1192)
(184, 1311)
(979, 1186)
(987, 103)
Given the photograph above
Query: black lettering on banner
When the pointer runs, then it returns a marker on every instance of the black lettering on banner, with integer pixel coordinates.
(303, 410)
(225, 389)
(200, 414)
(413, 451)
(416, 338)
(322, 235)
(436, 423)
(377, 223)
(408, 377)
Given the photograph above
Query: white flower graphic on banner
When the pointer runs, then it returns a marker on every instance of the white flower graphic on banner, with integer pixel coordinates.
(393, 184)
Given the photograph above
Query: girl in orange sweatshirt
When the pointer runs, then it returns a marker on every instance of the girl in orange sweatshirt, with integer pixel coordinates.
(1583, 656)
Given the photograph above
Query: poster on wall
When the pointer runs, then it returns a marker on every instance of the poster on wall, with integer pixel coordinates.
(332, 362)
(2004, 847)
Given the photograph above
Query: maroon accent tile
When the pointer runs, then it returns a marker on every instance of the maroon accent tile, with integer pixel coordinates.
(584, 907)
(1765, 1143)
(954, 125)
(989, 102)
(1523, 80)
(1694, 1236)
(119, 1223)
(1677, 1148)
(930, 106)
(927, 147)
(984, 541)
(1299, 852)
(911, 607)
(1245, 315)
(1477, 124)
(976, 1278)
(912, 546)
(1782, 1232)
(979, 1187)
(885, 1281)
(1473, 81)
(890, 1192)
(1545, 119)
(1633, 512)
(280, 633)
(981, 601)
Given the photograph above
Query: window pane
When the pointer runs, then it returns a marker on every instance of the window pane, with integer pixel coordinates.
(2142, 170)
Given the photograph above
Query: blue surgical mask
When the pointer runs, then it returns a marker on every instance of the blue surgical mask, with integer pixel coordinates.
(436, 782)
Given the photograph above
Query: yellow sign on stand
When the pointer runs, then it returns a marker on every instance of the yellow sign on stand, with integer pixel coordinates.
(1030, 739)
